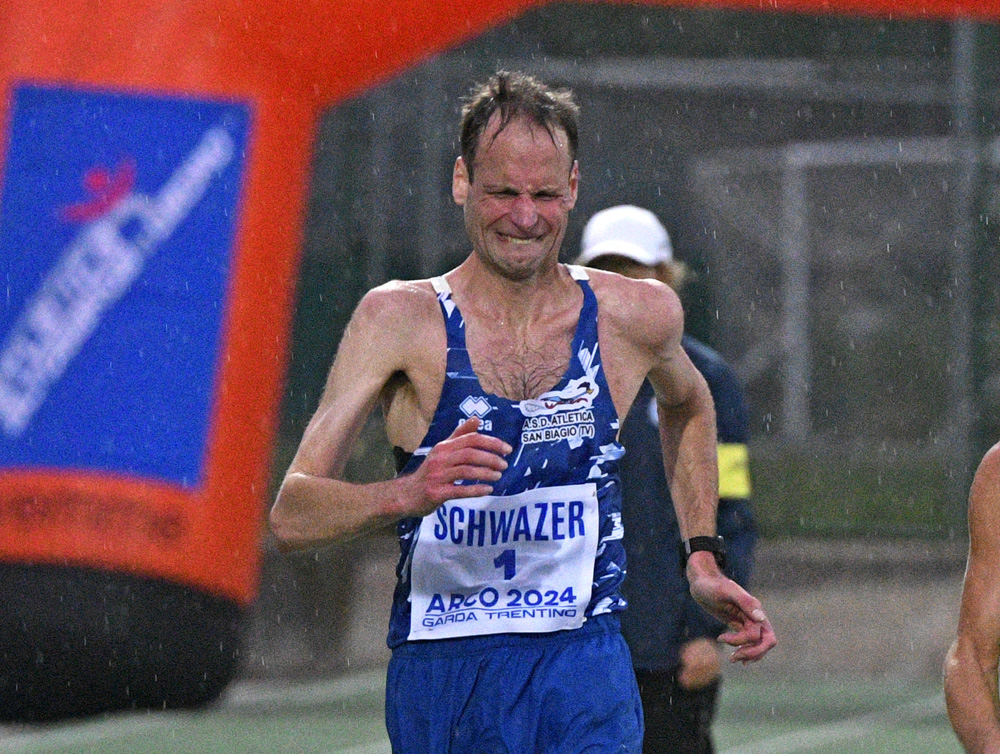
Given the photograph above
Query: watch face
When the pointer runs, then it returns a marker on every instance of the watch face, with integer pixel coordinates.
(716, 545)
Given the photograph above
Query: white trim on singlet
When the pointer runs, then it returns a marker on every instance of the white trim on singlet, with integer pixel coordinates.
(575, 271)
(440, 284)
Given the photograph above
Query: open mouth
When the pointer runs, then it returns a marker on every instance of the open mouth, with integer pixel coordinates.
(516, 240)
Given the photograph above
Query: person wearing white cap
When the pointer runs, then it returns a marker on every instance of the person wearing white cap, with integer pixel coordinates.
(671, 638)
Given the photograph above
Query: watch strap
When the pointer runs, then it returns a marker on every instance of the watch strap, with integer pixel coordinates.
(715, 545)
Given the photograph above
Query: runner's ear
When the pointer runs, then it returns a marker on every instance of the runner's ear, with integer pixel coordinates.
(460, 182)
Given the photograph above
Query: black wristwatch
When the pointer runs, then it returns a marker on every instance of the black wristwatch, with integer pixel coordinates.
(715, 545)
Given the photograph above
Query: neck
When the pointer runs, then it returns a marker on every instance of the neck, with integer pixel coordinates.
(476, 283)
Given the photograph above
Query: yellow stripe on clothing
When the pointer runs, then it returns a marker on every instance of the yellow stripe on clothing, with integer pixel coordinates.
(734, 470)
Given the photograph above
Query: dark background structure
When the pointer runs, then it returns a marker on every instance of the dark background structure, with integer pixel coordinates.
(832, 181)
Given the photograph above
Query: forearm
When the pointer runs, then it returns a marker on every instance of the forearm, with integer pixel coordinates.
(312, 511)
(971, 697)
(690, 462)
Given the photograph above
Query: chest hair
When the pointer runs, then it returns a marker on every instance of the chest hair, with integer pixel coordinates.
(518, 370)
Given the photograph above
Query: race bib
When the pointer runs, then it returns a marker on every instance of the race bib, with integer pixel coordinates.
(517, 564)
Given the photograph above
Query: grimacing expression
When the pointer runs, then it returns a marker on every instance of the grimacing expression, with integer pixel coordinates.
(517, 206)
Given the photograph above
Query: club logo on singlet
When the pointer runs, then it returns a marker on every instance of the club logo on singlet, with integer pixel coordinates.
(565, 414)
(477, 406)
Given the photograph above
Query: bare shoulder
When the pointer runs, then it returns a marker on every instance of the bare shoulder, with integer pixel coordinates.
(984, 513)
(396, 313)
(990, 465)
(984, 498)
(639, 324)
(647, 312)
(392, 329)
(402, 303)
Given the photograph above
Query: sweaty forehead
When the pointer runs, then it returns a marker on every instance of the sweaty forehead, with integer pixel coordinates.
(522, 135)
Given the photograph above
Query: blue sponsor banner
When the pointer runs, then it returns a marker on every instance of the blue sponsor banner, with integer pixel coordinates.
(117, 220)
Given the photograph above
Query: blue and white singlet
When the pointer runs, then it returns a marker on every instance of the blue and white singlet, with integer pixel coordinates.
(542, 553)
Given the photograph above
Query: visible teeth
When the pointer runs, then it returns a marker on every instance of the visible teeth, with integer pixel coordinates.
(520, 240)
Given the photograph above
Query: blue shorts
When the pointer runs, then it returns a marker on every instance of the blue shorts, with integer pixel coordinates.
(568, 692)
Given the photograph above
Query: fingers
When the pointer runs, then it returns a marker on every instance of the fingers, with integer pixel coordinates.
(466, 434)
(465, 456)
(476, 458)
(750, 631)
(469, 426)
(754, 651)
(468, 456)
(462, 491)
(753, 638)
(468, 472)
(738, 636)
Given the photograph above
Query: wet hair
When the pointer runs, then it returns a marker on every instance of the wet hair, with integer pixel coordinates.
(516, 95)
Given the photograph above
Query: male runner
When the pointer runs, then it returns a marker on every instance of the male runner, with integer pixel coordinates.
(502, 383)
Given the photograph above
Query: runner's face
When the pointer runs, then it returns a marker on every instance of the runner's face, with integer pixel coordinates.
(517, 205)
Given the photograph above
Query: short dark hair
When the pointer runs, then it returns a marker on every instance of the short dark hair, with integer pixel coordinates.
(516, 95)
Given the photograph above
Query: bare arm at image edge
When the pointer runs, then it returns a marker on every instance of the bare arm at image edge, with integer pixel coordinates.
(971, 665)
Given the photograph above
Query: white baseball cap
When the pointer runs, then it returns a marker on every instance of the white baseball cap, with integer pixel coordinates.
(626, 231)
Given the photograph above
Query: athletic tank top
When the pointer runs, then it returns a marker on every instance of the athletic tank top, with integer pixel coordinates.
(544, 551)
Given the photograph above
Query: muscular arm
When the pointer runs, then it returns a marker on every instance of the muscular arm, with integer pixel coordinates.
(647, 318)
(383, 340)
(688, 440)
(971, 665)
(641, 327)
(644, 324)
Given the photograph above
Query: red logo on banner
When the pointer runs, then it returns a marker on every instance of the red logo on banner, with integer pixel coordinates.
(106, 189)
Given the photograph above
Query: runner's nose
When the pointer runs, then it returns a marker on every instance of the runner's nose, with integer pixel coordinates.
(524, 214)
